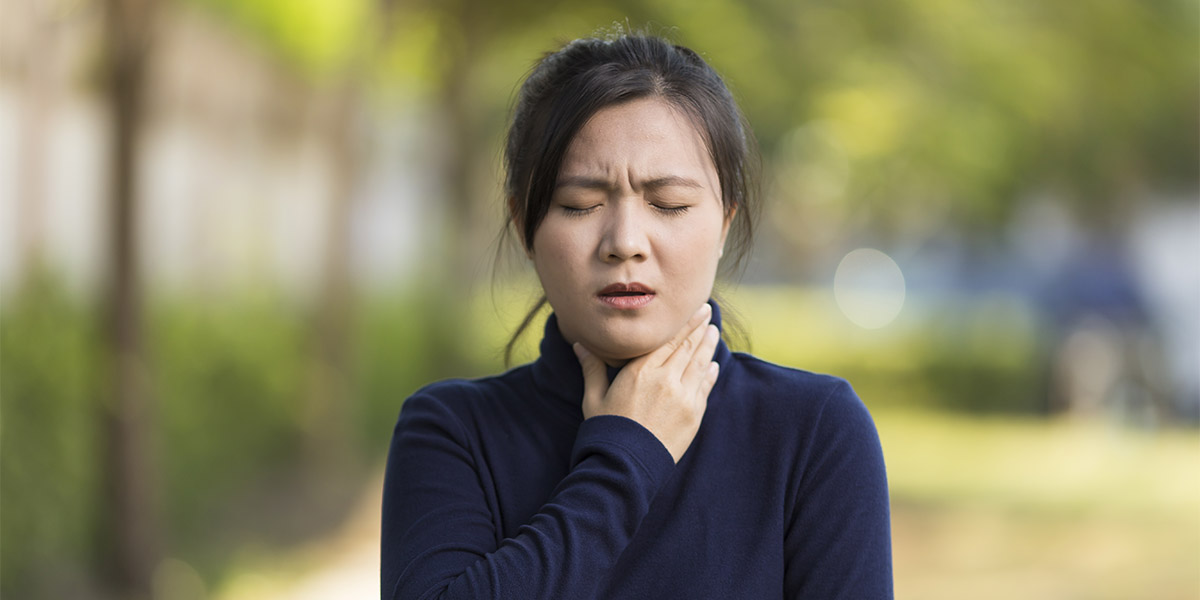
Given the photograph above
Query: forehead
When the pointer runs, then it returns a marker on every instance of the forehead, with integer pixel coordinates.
(647, 137)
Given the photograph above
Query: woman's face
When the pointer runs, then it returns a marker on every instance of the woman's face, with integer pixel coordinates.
(629, 248)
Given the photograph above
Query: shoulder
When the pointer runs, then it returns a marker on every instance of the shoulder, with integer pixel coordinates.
(790, 387)
(821, 416)
(824, 404)
(466, 390)
(462, 399)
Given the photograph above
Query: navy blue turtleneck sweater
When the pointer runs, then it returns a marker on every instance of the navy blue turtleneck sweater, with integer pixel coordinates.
(498, 488)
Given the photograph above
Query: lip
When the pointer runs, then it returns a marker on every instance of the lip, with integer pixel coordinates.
(626, 296)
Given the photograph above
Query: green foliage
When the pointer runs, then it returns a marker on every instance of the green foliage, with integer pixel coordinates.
(960, 108)
(401, 342)
(953, 110)
(225, 383)
(49, 433)
(230, 386)
(313, 37)
(229, 390)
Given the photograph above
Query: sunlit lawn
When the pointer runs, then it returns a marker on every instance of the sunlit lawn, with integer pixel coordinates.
(1033, 509)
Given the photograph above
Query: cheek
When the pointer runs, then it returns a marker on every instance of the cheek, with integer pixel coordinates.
(703, 259)
(555, 251)
(697, 249)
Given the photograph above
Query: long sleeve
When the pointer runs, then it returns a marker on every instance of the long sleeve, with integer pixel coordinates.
(837, 541)
(440, 538)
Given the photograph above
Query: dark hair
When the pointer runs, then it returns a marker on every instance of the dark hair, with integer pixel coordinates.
(567, 87)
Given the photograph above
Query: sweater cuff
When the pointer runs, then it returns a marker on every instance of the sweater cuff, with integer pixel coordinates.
(608, 434)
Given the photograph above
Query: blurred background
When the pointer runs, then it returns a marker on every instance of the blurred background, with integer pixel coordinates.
(236, 234)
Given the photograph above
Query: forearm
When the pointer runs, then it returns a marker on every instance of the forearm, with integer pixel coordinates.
(439, 537)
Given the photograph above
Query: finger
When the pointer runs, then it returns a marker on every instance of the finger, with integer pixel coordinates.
(681, 357)
(595, 376)
(710, 379)
(685, 336)
(698, 362)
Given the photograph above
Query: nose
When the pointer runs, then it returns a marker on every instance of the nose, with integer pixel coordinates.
(625, 235)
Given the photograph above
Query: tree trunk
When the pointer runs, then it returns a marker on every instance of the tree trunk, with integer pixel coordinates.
(129, 515)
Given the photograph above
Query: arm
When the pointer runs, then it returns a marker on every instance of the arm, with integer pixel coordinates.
(837, 541)
(438, 535)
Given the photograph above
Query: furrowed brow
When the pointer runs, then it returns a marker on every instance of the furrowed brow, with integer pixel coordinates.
(585, 182)
(671, 181)
(597, 183)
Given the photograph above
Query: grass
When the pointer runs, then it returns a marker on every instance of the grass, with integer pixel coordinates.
(1023, 508)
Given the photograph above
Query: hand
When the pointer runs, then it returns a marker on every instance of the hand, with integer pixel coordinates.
(666, 391)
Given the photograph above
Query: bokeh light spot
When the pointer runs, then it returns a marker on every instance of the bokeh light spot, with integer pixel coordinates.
(869, 288)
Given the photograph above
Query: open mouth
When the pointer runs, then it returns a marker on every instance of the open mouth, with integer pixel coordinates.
(626, 295)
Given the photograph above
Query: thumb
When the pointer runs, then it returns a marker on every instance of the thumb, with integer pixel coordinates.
(595, 378)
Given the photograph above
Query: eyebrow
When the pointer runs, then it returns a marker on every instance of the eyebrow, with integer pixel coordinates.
(597, 183)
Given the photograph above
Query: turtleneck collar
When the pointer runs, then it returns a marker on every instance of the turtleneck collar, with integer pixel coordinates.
(558, 375)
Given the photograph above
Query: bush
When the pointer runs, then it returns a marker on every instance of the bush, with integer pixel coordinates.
(49, 433)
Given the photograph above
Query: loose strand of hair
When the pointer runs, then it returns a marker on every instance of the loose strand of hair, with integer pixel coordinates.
(516, 336)
(733, 328)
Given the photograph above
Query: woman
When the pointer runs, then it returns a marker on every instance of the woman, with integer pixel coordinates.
(637, 457)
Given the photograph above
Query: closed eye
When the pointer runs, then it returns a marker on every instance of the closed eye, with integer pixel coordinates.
(671, 210)
(578, 211)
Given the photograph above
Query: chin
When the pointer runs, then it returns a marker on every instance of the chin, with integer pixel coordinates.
(625, 350)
